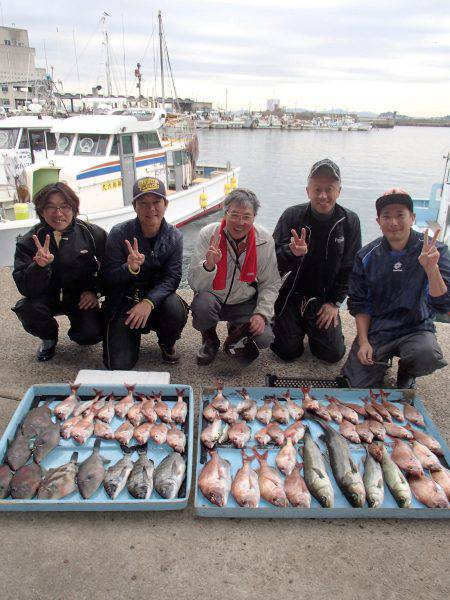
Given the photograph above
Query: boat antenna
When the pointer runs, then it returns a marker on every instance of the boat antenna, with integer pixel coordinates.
(107, 56)
(161, 57)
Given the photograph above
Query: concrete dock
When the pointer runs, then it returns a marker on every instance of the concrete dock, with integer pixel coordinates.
(179, 556)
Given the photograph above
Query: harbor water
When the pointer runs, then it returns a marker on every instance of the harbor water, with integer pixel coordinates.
(275, 163)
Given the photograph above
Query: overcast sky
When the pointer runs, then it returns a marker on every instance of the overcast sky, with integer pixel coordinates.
(354, 54)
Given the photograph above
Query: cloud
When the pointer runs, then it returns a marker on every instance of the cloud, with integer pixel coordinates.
(295, 48)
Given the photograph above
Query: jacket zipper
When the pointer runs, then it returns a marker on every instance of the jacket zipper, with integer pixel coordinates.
(326, 249)
(296, 275)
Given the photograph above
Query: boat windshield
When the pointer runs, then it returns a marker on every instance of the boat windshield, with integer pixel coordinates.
(91, 144)
(64, 143)
(8, 138)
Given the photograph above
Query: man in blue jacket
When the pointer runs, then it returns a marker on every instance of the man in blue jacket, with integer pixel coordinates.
(398, 284)
(142, 271)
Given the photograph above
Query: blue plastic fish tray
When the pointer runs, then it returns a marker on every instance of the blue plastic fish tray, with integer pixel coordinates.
(342, 509)
(110, 449)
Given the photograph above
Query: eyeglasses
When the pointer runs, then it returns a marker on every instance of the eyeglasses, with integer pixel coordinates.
(238, 217)
(64, 208)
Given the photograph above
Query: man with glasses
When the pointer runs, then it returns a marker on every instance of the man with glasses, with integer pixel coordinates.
(316, 244)
(235, 278)
(398, 284)
(142, 271)
(56, 269)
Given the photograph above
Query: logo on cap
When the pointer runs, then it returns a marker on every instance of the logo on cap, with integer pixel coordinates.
(148, 184)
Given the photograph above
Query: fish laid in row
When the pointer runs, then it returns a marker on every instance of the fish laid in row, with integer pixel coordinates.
(373, 481)
(345, 471)
(59, 482)
(215, 479)
(315, 473)
(140, 481)
(91, 472)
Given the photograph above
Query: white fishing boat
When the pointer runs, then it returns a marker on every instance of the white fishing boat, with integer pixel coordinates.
(434, 212)
(100, 157)
(24, 140)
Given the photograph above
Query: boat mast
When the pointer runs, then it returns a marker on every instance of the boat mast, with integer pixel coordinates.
(107, 56)
(161, 57)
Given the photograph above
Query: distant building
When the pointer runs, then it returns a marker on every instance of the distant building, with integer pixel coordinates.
(273, 104)
(20, 79)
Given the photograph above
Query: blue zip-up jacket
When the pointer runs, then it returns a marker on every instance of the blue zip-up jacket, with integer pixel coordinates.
(160, 275)
(392, 288)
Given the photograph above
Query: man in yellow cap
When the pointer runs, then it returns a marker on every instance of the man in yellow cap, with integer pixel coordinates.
(142, 271)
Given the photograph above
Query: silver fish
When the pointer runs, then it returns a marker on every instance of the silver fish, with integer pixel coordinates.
(395, 481)
(19, 451)
(6, 476)
(140, 481)
(373, 481)
(26, 481)
(344, 469)
(212, 434)
(91, 472)
(60, 482)
(316, 476)
(116, 476)
(46, 440)
(169, 475)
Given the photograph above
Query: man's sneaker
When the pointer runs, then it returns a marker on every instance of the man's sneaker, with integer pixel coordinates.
(46, 350)
(169, 354)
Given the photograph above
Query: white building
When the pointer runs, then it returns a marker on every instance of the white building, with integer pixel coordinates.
(273, 103)
(20, 79)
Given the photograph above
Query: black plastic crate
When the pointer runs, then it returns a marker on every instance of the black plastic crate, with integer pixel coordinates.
(297, 382)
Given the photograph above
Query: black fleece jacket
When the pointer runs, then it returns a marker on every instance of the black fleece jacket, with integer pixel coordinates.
(339, 252)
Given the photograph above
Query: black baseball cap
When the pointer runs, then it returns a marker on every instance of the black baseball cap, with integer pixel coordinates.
(325, 165)
(394, 198)
(148, 185)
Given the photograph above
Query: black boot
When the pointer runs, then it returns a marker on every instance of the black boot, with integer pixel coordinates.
(46, 350)
(209, 348)
(405, 381)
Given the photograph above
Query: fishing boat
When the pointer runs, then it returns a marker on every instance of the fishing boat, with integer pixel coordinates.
(101, 156)
(24, 140)
(434, 212)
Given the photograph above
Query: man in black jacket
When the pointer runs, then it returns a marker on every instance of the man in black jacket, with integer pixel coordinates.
(56, 268)
(315, 244)
(142, 271)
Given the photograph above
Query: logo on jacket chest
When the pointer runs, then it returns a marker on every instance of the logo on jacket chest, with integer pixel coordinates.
(339, 240)
(397, 267)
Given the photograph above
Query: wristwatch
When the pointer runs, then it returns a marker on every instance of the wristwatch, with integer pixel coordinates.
(337, 304)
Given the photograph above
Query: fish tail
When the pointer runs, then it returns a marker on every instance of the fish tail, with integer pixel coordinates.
(180, 391)
(130, 387)
(97, 444)
(74, 457)
(74, 386)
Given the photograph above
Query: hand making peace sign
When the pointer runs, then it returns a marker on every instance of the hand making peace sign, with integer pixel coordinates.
(429, 256)
(213, 254)
(298, 245)
(135, 259)
(43, 256)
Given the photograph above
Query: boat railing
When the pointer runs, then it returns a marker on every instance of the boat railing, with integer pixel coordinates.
(427, 209)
